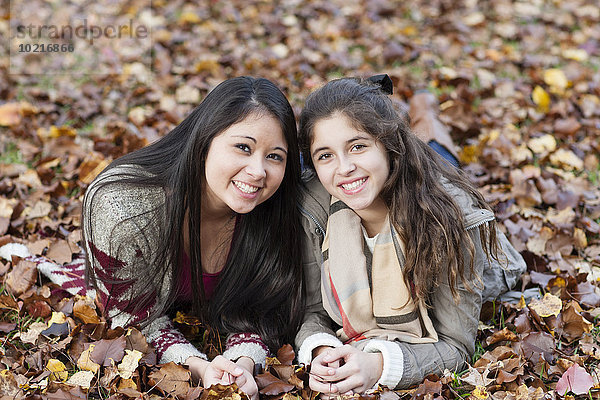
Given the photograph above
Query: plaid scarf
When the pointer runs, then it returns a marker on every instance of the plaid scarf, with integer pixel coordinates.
(365, 293)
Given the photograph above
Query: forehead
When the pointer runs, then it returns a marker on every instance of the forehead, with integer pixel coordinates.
(337, 128)
(262, 127)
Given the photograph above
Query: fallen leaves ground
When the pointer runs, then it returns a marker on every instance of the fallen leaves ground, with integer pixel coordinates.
(518, 83)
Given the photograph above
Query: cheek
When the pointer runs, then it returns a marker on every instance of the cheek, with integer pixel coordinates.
(325, 175)
(277, 174)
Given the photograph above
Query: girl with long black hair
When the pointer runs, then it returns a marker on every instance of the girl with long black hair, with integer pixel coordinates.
(205, 216)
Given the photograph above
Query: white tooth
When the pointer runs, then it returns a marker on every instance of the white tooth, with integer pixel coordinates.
(246, 188)
(354, 184)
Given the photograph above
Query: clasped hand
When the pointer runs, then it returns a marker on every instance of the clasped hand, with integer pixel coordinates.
(225, 372)
(345, 370)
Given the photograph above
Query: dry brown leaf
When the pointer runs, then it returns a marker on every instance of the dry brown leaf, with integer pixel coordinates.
(173, 379)
(21, 278)
(60, 251)
(85, 313)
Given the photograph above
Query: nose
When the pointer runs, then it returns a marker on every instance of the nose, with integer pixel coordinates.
(256, 168)
(345, 166)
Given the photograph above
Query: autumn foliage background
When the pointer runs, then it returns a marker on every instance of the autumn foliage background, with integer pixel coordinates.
(518, 83)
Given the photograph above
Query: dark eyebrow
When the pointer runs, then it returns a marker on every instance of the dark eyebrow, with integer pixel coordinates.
(281, 148)
(355, 138)
(247, 137)
(318, 150)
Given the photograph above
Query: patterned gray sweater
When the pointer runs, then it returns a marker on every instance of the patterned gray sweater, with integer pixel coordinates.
(115, 215)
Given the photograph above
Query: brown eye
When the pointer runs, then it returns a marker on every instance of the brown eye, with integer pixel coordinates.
(275, 156)
(244, 147)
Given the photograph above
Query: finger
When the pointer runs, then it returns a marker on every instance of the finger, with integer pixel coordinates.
(249, 389)
(323, 387)
(345, 371)
(322, 370)
(226, 365)
(338, 353)
(353, 384)
(227, 377)
(241, 380)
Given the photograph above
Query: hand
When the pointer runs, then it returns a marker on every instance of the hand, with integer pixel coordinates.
(360, 371)
(318, 364)
(246, 381)
(221, 370)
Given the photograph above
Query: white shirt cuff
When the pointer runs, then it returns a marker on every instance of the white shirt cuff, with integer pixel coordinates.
(314, 341)
(393, 361)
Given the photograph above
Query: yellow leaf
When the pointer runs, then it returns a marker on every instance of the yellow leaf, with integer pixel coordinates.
(211, 66)
(58, 369)
(129, 363)
(127, 383)
(541, 99)
(480, 393)
(57, 318)
(409, 30)
(469, 154)
(575, 54)
(189, 17)
(556, 79)
(85, 362)
(567, 160)
(55, 132)
(542, 145)
(521, 304)
(547, 306)
(81, 378)
(580, 238)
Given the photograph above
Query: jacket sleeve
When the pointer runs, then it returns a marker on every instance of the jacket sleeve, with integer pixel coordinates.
(316, 329)
(455, 324)
(117, 247)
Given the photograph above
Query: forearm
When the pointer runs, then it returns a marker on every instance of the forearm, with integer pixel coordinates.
(420, 360)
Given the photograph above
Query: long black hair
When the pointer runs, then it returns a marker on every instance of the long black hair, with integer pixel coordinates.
(414, 191)
(260, 287)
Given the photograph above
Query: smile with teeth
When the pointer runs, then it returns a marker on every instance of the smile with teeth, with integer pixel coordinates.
(353, 185)
(245, 187)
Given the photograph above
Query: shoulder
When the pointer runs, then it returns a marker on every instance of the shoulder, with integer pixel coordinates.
(110, 198)
(473, 214)
(314, 199)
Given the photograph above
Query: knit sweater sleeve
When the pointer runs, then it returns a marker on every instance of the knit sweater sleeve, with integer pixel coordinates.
(119, 224)
(246, 345)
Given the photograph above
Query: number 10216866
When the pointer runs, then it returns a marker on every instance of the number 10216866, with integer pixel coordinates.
(46, 48)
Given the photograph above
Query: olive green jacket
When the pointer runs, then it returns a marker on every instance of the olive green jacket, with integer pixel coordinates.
(407, 364)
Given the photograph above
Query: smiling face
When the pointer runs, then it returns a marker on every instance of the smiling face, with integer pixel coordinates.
(351, 164)
(245, 165)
